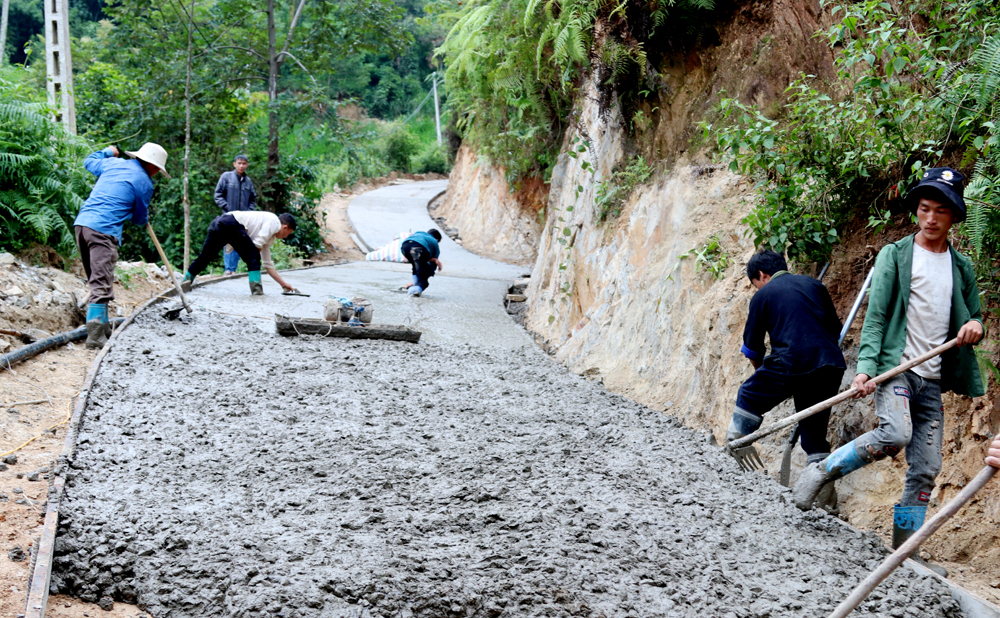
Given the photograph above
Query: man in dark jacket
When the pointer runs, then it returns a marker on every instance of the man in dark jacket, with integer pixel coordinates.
(421, 251)
(805, 361)
(235, 192)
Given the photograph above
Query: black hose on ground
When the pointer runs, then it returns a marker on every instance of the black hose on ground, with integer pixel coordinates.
(23, 354)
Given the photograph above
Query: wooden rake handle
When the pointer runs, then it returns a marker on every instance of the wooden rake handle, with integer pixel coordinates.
(170, 269)
(930, 527)
(832, 401)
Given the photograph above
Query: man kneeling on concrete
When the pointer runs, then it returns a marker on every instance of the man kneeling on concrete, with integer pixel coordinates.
(805, 361)
(251, 234)
(923, 293)
(421, 251)
(122, 193)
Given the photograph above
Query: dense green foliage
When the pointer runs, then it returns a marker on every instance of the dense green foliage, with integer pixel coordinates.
(905, 101)
(514, 68)
(129, 82)
(41, 179)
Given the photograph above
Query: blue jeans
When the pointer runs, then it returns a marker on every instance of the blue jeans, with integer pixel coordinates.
(230, 258)
(910, 416)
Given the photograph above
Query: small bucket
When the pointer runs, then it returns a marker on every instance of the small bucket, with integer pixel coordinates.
(362, 309)
(335, 311)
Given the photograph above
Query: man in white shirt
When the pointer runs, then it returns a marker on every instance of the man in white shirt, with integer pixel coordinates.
(251, 234)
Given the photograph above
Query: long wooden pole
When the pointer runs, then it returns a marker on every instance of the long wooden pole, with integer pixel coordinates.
(185, 197)
(832, 401)
(930, 527)
(170, 269)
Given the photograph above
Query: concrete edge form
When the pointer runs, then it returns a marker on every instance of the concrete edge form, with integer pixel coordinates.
(973, 605)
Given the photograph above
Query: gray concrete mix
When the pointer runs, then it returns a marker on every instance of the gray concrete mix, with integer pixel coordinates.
(224, 471)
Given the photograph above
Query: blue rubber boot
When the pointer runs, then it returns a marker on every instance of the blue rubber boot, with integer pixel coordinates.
(841, 462)
(906, 520)
(98, 327)
(256, 287)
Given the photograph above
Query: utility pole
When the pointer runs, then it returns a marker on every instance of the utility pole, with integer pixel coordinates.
(4, 12)
(59, 62)
(437, 107)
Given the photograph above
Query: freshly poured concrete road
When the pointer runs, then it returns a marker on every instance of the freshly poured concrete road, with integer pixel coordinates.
(379, 216)
(462, 305)
(223, 470)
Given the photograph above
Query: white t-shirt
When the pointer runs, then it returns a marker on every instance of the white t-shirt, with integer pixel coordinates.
(261, 227)
(929, 313)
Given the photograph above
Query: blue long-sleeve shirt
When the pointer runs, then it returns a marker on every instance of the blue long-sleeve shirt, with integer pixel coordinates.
(798, 314)
(427, 242)
(122, 193)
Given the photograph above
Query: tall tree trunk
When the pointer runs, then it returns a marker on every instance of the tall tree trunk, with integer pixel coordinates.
(270, 192)
(187, 143)
(4, 12)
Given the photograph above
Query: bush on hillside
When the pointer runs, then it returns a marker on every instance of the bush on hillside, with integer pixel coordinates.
(431, 160)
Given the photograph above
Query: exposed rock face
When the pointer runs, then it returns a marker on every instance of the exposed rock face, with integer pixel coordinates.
(626, 302)
(491, 220)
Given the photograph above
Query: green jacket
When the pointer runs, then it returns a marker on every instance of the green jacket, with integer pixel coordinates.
(883, 336)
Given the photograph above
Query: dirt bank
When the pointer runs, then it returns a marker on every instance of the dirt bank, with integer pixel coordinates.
(308, 477)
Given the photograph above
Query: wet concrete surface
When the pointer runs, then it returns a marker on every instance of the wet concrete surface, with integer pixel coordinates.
(226, 471)
(380, 215)
(223, 470)
(451, 311)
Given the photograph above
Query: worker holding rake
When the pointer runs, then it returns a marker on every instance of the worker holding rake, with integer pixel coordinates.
(805, 361)
(923, 293)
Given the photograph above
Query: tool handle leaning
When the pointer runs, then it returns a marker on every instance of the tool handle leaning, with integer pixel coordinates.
(851, 392)
(170, 269)
(900, 555)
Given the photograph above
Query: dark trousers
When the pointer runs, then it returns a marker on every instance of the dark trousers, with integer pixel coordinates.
(767, 388)
(420, 261)
(99, 254)
(226, 230)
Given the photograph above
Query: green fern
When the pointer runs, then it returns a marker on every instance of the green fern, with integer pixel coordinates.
(41, 177)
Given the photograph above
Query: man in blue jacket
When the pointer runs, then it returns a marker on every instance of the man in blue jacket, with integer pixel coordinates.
(805, 363)
(235, 192)
(121, 193)
(421, 251)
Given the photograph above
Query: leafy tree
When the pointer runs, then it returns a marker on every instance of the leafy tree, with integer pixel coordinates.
(514, 67)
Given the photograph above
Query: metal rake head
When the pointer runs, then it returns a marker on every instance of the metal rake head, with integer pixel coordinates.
(748, 458)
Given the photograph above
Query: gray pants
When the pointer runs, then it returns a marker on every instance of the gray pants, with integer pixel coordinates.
(910, 416)
(99, 254)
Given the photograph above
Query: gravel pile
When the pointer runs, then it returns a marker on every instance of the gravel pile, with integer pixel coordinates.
(222, 471)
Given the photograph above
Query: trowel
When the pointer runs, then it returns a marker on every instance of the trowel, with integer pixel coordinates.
(294, 292)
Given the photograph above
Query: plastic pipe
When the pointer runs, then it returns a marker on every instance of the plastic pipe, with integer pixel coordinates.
(23, 354)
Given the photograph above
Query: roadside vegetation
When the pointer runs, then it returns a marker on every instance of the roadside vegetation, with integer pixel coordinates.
(917, 87)
(336, 114)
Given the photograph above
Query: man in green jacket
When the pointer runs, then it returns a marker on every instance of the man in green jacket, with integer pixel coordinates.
(923, 293)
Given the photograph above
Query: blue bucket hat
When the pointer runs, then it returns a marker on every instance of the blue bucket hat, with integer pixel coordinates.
(941, 184)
